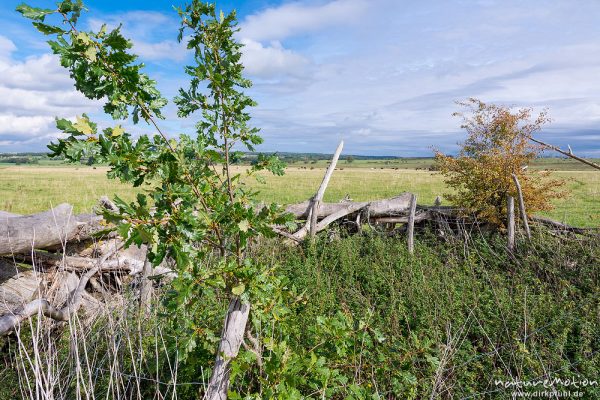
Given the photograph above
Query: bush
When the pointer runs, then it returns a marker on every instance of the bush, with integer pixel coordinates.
(497, 147)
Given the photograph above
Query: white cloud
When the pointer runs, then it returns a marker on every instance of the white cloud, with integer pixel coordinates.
(25, 126)
(32, 93)
(290, 19)
(147, 30)
(41, 73)
(272, 60)
(389, 80)
(6, 48)
(163, 50)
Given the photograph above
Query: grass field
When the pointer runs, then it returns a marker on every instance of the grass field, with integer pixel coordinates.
(27, 189)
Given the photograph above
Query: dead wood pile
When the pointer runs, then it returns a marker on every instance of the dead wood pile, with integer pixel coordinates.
(55, 263)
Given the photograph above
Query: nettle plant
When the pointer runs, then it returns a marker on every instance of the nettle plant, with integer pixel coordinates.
(194, 207)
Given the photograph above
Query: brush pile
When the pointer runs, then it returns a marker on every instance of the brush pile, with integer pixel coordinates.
(56, 263)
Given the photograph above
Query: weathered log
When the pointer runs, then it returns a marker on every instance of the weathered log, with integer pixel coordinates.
(5, 214)
(564, 227)
(378, 208)
(19, 289)
(75, 263)
(349, 208)
(21, 234)
(9, 321)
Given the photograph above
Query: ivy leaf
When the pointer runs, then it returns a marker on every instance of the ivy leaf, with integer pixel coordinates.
(239, 289)
(33, 13)
(83, 125)
(117, 131)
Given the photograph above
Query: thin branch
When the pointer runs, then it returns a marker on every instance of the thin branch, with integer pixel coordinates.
(566, 153)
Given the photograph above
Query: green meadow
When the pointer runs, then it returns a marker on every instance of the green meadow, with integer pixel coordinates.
(28, 189)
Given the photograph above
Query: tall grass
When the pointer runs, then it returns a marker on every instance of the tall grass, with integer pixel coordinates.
(119, 353)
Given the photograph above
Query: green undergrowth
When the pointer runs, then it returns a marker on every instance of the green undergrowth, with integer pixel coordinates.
(452, 318)
(364, 319)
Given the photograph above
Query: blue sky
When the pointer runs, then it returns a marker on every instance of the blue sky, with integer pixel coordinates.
(383, 75)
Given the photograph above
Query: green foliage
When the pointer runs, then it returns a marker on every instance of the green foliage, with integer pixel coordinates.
(391, 316)
(193, 209)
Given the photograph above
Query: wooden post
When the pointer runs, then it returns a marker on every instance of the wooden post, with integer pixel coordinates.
(411, 224)
(510, 208)
(522, 207)
(231, 340)
(146, 288)
(319, 196)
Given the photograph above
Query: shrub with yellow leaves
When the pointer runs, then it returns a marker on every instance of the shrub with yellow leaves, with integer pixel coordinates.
(497, 146)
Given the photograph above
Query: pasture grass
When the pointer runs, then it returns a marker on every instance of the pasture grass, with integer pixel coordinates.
(28, 189)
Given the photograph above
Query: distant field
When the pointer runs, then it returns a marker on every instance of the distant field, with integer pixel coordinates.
(26, 189)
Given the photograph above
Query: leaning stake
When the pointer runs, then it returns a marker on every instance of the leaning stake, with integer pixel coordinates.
(411, 224)
(319, 196)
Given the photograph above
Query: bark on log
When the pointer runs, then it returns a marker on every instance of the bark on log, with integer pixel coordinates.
(563, 227)
(48, 229)
(5, 214)
(20, 289)
(378, 208)
(231, 340)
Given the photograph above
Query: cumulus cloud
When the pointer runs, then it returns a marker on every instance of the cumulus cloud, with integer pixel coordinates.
(271, 60)
(24, 126)
(278, 23)
(6, 48)
(151, 32)
(265, 55)
(32, 92)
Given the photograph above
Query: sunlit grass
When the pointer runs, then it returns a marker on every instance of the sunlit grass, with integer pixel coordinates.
(32, 189)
